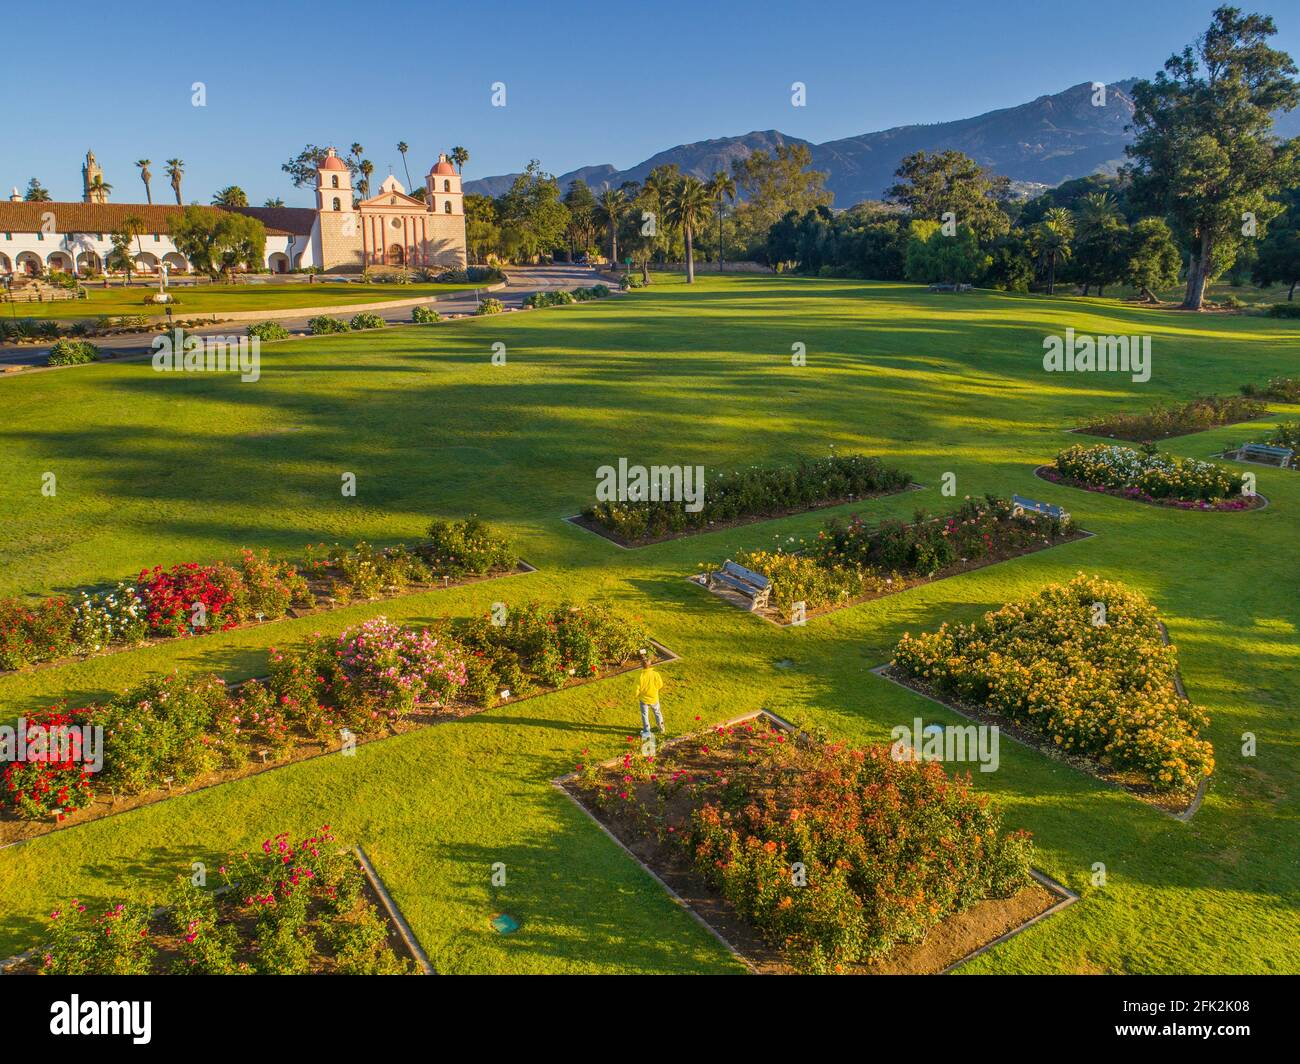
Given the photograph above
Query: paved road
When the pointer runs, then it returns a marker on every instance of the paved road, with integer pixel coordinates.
(524, 281)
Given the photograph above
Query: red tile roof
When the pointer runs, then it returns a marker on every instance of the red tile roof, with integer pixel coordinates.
(105, 217)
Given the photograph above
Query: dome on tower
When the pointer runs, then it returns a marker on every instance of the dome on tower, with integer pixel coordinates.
(333, 162)
(443, 166)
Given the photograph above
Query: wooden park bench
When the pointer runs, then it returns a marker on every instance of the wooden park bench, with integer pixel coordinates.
(754, 586)
(1254, 452)
(1021, 503)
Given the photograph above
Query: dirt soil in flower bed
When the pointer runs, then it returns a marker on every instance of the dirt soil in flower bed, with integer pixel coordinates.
(1049, 474)
(321, 582)
(15, 829)
(167, 942)
(1180, 803)
(582, 521)
(900, 583)
(954, 940)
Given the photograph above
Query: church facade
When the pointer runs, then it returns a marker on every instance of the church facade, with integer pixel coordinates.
(340, 234)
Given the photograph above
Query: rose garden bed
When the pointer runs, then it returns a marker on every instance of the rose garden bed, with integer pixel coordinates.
(1083, 672)
(191, 600)
(170, 736)
(851, 563)
(803, 855)
(1150, 477)
(311, 908)
(743, 497)
(1164, 422)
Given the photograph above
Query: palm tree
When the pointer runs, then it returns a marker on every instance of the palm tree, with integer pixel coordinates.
(403, 147)
(99, 185)
(230, 196)
(278, 201)
(367, 168)
(145, 175)
(721, 186)
(689, 207)
(610, 207)
(175, 170)
(460, 157)
(659, 185)
(1052, 238)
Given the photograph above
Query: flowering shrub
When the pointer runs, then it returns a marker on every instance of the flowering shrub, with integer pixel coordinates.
(1287, 434)
(289, 909)
(170, 596)
(162, 602)
(851, 559)
(466, 548)
(1284, 389)
(31, 633)
(56, 779)
(395, 667)
(1147, 474)
(1178, 419)
(754, 492)
(889, 848)
(1105, 691)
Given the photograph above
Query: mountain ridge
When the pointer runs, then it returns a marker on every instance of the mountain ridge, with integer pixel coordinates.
(1045, 141)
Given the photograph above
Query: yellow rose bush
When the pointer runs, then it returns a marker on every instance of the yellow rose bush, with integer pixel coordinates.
(1084, 665)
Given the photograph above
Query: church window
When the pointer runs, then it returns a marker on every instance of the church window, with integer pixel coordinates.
(446, 207)
(337, 204)
(335, 179)
(446, 186)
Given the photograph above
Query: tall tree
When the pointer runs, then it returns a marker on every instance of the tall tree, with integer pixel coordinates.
(1205, 154)
(175, 171)
(1100, 241)
(932, 185)
(146, 175)
(482, 228)
(689, 207)
(1279, 253)
(655, 195)
(367, 168)
(721, 187)
(582, 216)
(230, 196)
(611, 205)
(772, 185)
(36, 192)
(460, 156)
(533, 220)
(274, 201)
(218, 242)
(99, 185)
(403, 148)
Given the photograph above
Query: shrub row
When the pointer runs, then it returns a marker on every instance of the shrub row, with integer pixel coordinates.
(849, 560)
(1284, 389)
(1148, 474)
(366, 680)
(753, 492)
(289, 909)
(888, 848)
(1082, 664)
(1163, 421)
(192, 599)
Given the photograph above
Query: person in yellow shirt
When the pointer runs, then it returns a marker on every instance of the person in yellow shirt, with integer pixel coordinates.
(647, 691)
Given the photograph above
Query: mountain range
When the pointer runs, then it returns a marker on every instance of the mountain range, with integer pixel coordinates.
(1043, 142)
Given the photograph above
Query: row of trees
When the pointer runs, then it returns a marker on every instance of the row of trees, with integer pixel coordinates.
(1208, 189)
(668, 217)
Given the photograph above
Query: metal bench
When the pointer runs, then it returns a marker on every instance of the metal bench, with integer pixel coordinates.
(1255, 451)
(1021, 503)
(754, 586)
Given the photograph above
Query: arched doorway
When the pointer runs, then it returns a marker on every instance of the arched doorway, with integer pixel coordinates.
(59, 260)
(145, 262)
(396, 255)
(28, 263)
(278, 262)
(176, 262)
(88, 262)
(5, 266)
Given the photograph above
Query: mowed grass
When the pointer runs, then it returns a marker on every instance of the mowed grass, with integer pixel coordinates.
(158, 468)
(206, 299)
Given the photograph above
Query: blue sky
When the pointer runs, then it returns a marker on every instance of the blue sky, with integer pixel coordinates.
(586, 82)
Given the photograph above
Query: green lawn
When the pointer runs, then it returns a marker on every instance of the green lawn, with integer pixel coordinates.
(156, 468)
(228, 298)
